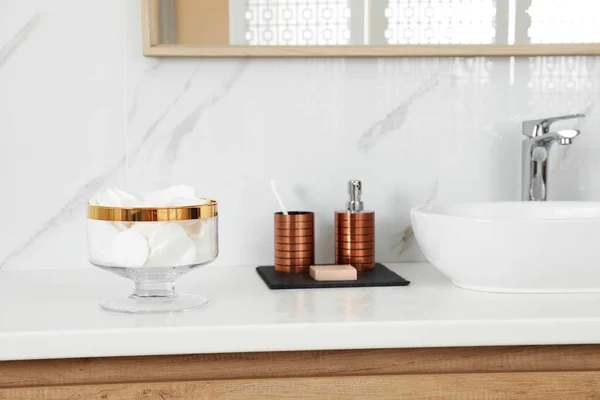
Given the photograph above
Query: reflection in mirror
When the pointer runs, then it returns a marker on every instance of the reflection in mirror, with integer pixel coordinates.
(373, 22)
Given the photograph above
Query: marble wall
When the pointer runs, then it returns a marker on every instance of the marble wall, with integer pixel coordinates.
(82, 109)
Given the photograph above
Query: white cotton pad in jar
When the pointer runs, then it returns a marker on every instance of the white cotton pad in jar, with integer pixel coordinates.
(194, 228)
(153, 228)
(146, 228)
(100, 237)
(113, 197)
(165, 233)
(178, 251)
(129, 249)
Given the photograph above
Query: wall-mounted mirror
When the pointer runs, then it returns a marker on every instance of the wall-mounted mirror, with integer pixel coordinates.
(370, 27)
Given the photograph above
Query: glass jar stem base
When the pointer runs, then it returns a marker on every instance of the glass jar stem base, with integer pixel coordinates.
(154, 289)
(155, 304)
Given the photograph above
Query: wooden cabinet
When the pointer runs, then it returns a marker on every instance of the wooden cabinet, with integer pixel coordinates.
(529, 372)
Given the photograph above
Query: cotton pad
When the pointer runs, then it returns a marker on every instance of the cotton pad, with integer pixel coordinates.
(121, 226)
(104, 199)
(164, 234)
(125, 199)
(180, 250)
(129, 249)
(146, 228)
(101, 235)
(194, 228)
(112, 197)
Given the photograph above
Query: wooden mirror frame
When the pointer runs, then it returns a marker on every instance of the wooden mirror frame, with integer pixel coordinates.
(152, 48)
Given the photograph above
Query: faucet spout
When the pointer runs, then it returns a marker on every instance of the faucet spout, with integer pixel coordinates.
(564, 136)
(536, 156)
(567, 135)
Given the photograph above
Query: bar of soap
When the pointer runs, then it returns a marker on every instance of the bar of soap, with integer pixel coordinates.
(333, 273)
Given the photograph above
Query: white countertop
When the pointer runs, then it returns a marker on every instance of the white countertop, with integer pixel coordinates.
(54, 314)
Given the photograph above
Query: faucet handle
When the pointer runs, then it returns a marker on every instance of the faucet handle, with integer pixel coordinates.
(539, 127)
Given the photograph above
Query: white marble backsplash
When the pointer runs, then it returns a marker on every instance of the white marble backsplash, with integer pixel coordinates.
(82, 109)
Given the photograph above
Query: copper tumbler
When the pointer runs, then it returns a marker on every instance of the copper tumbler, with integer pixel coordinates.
(294, 242)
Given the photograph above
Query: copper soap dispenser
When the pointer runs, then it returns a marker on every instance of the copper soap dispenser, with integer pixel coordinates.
(355, 232)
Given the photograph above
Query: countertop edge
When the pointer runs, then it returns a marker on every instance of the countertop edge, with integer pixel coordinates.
(295, 337)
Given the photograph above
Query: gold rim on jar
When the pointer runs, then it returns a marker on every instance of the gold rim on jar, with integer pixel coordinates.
(152, 214)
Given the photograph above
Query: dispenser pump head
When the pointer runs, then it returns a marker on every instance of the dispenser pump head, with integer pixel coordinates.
(354, 204)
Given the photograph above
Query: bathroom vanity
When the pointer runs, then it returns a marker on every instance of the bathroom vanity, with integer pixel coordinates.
(428, 340)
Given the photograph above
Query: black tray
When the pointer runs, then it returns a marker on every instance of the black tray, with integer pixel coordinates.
(378, 276)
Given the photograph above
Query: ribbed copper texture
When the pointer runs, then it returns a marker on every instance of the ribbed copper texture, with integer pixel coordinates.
(355, 239)
(294, 242)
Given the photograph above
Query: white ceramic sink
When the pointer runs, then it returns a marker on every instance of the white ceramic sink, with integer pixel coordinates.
(516, 247)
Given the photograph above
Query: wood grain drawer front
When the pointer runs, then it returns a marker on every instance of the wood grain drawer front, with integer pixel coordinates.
(299, 364)
(524, 372)
(501, 386)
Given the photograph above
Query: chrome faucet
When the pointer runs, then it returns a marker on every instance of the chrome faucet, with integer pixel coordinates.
(536, 154)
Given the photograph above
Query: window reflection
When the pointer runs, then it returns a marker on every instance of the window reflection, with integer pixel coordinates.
(564, 21)
(412, 22)
(441, 22)
(297, 22)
